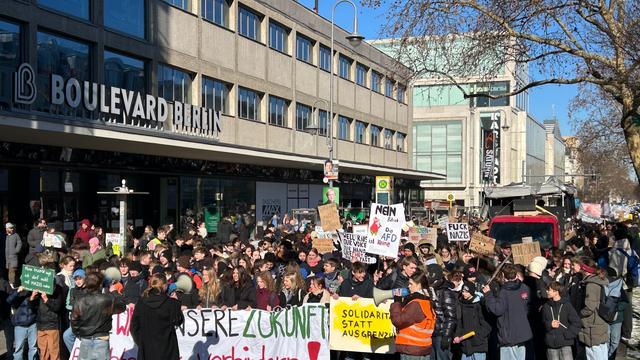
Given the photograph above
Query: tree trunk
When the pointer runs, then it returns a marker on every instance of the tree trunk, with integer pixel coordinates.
(632, 134)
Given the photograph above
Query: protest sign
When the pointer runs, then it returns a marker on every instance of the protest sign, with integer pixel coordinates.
(360, 229)
(52, 240)
(527, 239)
(329, 217)
(293, 333)
(113, 239)
(482, 244)
(37, 279)
(458, 232)
(385, 226)
(423, 233)
(361, 326)
(354, 247)
(323, 245)
(525, 252)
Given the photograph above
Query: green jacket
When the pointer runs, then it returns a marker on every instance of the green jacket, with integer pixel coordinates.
(90, 258)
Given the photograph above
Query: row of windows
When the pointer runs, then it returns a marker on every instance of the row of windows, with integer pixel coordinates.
(128, 16)
(71, 58)
(443, 95)
(437, 147)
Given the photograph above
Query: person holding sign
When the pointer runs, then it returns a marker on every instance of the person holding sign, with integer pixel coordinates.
(48, 320)
(414, 318)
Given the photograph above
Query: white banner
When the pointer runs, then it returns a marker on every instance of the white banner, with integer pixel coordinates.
(354, 246)
(458, 232)
(385, 226)
(297, 333)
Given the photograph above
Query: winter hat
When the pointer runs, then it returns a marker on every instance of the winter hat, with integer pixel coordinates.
(9, 226)
(135, 266)
(470, 271)
(587, 269)
(536, 268)
(434, 272)
(157, 269)
(410, 246)
(540, 260)
(94, 241)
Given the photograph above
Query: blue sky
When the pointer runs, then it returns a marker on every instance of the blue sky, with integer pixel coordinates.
(542, 100)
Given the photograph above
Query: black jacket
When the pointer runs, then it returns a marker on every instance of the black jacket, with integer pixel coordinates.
(394, 280)
(510, 306)
(563, 311)
(350, 287)
(153, 327)
(445, 302)
(91, 314)
(48, 317)
(25, 311)
(133, 288)
(296, 298)
(243, 297)
(471, 318)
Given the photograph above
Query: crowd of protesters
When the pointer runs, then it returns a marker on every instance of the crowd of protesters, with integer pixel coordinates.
(569, 303)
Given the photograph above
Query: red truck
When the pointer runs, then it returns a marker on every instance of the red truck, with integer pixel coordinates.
(512, 228)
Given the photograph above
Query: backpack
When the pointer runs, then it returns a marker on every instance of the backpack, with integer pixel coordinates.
(608, 307)
(633, 267)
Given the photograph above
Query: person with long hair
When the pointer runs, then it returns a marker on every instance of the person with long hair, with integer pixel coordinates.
(154, 322)
(414, 318)
(317, 293)
(266, 297)
(239, 293)
(292, 293)
(210, 290)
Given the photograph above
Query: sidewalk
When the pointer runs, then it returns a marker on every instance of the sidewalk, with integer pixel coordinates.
(3, 347)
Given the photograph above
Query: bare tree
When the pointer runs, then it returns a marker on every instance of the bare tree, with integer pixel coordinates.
(556, 42)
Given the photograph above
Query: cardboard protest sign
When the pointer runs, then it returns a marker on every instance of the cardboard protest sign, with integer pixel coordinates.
(355, 246)
(324, 245)
(360, 229)
(37, 279)
(52, 240)
(525, 252)
(385, 227)
(527, 239)
(361, 326)
(329, 217)
(458, 232)
(420, 233)
(292, 333)
(482, 244)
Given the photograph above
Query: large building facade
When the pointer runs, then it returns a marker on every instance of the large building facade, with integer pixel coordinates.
(202, 103)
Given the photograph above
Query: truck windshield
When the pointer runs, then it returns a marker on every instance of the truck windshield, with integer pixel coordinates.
(513, 232)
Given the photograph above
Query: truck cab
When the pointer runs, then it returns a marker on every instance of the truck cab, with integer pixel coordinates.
(512, 228)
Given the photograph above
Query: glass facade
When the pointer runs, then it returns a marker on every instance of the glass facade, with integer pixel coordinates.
(345, 67)
(65, 57)
(277, 111)
(361, 75)
(303, 116)
(248, 23)
(174, 84)
(278, 37)
(304, 46)
(215, 95)
(248, 104)
(216, 11)
(124, 72)
(77, 8)
(325, 58)
(437, 147)
(494, 89)
(344, 125)
(361, 131)
(126, 16)
(9, 57)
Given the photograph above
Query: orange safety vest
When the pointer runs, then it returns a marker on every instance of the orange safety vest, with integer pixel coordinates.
(419, 334)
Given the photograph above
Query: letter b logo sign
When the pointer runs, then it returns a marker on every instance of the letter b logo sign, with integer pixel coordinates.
(24, 85)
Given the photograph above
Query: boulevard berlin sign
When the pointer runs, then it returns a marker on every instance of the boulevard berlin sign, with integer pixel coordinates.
(146, 110)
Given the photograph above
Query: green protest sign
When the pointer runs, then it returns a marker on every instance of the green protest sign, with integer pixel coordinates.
(211, 218)
(37, 279)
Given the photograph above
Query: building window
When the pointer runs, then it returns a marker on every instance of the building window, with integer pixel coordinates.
(494, 89)
(9, 54)
(277, 111)
(400, 137)
(182, 4)
(303, 116)
(304, 45)
(77, 8)
(361, 75)
(248, 104)
(388, 88)
(215, 95)
(375, 135)
(344, 125)
(437, 147)
(439, 95)
(174, 84)
(125, 72)
(322, 122)
(278, 37)
(376, 81)
(388, 139)
(249, 23)
(216, 11)
(400, 93)
(65, 57)
(325, 58)
(126, 16)
(361, 129)
(345, 67)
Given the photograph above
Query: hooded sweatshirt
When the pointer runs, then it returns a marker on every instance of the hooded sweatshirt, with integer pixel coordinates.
(153, 326)
(595, 330)
(510, 306)
(566, 333)
(83, 234)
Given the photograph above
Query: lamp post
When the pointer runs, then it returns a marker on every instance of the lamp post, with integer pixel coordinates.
(354, 39)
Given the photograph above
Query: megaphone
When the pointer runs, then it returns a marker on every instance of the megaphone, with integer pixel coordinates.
(182, 284)
(380, 296)
(112, 275)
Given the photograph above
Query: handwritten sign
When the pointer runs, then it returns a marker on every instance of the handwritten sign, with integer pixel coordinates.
(354, 246)
(482, 244)
(323, 245)
(37, 279)
(458, 232)
(293, 333)
(361, 326)
(418, 234)
(385, 227)
(329, 217)
(525, 252)
(360, 229)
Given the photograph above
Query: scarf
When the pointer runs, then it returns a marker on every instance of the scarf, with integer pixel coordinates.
(67, 277)
(313, 263)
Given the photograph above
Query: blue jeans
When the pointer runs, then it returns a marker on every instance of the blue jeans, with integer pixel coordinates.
(438, 353)
(615, 330)
(597, 352)
(30, 334)
(94, 349)
(475, 356)
(518, 352)
(69, 338)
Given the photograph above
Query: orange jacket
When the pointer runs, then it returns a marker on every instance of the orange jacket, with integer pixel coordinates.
(415, 323)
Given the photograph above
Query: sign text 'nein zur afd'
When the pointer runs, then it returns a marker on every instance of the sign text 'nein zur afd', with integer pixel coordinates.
(297, 333)
(119, 105)
(385, 226)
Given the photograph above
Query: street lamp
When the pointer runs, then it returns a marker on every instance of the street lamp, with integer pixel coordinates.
(354, 39)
